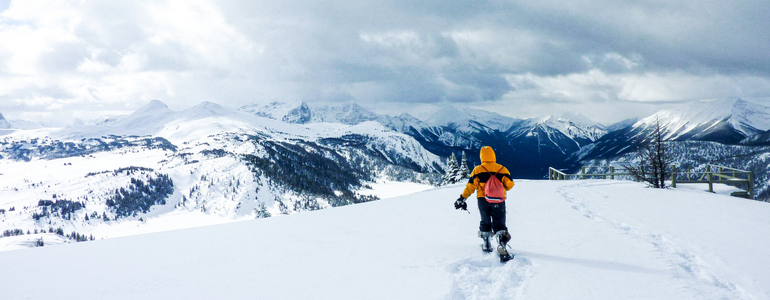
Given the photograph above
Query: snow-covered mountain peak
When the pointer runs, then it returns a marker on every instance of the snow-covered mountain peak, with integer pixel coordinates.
(154, 107)
(754, 114)
(549, 119)
(205, 109)
(581, 119)
(743, 116)
(574, 130)
(147, 116)
(461, 117)
(407, 116)
(273, 110)
(4, 124)
(446, 114)
(350, 113)
(352, 110)
(302, 113)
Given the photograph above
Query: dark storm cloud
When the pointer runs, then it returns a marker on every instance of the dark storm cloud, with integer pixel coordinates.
(427, 63)
(503, 53)
(722, 37)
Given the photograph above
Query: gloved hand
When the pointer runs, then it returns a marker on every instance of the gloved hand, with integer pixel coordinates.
(460, 204)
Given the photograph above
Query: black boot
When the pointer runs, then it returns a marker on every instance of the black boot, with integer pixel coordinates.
(486, 236)
(503, 237)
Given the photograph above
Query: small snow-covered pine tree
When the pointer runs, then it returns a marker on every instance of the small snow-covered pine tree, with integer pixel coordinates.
(451, 170)
(463, 173)
(261, 211)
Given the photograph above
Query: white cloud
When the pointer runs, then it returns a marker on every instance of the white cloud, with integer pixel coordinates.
(92, 55)
(595, 92)
(598, 86)
(95, 52)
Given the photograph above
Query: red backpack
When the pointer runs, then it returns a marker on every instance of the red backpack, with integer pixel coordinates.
(494, 191)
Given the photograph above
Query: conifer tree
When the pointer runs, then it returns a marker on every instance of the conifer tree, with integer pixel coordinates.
(463, 173)
(261, 211)
(452, 169)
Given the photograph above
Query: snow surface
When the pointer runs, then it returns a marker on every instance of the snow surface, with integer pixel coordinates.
(386, 189)
(589, 239)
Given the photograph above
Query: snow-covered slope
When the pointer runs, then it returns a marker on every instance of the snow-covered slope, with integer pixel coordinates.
(464, 118)
(24, 125)
(302, 113)
(585, 132)
(274, 110)
(726, 121)
(723, 120)
(572, 240)
(207, 163)
(4, 124)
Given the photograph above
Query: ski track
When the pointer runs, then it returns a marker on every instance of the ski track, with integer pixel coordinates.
(485, 277)
(709, 282)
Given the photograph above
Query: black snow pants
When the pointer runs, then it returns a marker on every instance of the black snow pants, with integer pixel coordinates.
(492, 216)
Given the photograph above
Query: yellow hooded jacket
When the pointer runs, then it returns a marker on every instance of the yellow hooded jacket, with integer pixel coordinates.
(481, 174)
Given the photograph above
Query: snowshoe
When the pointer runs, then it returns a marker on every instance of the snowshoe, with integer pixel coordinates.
(504, 254)
(487, 245)
(503, 237)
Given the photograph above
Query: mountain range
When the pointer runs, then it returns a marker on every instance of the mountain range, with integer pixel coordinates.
(727, 121)
(209, 163)
(204, 164)
(529, 147)
(532, 144)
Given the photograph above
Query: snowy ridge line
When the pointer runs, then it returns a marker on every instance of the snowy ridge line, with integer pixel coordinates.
(707, 278)
(483, 277)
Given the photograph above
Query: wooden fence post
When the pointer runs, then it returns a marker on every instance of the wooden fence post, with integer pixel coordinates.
(612, 172)
(751, 185)
(583, 173)
(673, 177)
(708, 177)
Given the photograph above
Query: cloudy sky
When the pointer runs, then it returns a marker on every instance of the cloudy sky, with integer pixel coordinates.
(608, 60)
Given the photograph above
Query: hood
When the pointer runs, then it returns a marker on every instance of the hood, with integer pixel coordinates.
(487, 154)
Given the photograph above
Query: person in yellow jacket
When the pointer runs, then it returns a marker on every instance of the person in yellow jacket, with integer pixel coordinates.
(492, 210)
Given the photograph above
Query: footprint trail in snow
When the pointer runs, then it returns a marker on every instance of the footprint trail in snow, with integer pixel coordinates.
(485, 277)
(706, 279)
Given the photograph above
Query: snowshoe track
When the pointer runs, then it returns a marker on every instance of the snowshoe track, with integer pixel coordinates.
(485, 277)
(709, 280)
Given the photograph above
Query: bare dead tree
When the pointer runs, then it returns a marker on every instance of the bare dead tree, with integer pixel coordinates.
(653, 160)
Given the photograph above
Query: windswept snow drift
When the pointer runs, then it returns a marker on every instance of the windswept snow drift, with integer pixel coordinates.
(572, 240)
